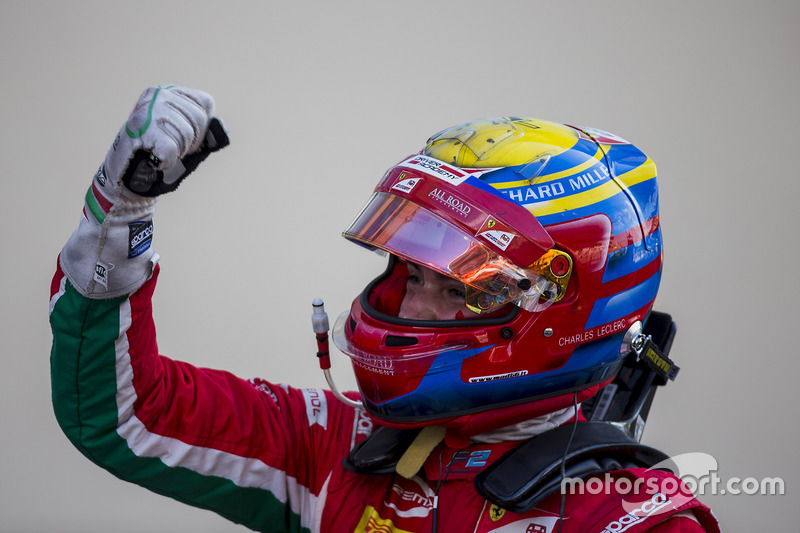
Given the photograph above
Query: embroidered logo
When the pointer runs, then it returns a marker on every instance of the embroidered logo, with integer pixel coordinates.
(496, 513)
(316, 407)
(262, 386)
(101, 175)
(140, 236)
(411, 498)
(371, 522)
(649, 508)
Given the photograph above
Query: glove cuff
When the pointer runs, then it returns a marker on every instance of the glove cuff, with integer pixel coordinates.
(110, 253)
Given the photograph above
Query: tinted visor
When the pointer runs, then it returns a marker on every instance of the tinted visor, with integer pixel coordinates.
(403, 228)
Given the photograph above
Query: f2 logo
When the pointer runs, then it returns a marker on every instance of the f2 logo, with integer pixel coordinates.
(478, 458)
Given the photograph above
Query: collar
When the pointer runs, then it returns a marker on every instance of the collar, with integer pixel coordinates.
(528, 428)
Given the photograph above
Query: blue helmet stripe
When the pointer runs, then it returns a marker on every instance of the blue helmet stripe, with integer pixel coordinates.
(632, 258)
(624, 303)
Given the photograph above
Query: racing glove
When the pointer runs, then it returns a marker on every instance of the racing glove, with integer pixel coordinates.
(170, 131)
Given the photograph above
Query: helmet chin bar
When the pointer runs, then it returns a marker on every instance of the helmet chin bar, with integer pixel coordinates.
(320, 324)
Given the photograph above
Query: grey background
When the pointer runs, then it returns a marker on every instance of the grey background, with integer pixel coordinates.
(322, 97)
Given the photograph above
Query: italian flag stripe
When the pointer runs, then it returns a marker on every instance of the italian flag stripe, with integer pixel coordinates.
(104, 204)
(94, 207)
(93, 398)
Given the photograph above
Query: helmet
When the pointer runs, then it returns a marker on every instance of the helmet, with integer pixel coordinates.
(554, 232)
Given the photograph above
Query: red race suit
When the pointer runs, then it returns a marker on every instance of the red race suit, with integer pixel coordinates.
(270, 456)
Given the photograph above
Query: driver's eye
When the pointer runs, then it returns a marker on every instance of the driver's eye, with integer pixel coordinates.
(414, 279)
(458, 293)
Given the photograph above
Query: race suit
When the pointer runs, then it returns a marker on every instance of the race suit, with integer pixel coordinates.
(270, 456)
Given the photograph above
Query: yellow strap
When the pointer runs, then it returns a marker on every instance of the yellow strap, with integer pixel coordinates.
(416, 454)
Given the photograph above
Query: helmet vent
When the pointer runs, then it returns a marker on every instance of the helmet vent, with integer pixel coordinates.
(396, 340)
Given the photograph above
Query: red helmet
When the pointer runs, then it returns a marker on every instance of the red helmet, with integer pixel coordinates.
(554, 232)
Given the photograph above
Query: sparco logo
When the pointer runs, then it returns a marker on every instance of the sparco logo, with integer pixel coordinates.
(648, 508)
(140, 236)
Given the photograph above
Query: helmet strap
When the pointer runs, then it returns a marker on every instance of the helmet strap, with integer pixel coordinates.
(419, 450)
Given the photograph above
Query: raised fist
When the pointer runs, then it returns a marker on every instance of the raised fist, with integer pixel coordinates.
(170, 131)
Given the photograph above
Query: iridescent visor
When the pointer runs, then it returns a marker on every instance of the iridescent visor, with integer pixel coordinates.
(402, 228)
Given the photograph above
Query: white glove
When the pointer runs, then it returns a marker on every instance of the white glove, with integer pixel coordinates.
(170, 131)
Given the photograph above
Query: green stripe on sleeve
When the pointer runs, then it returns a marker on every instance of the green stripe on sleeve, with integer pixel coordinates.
(84, 386)
(94, 207)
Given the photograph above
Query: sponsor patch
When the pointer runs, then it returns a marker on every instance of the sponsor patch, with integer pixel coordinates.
(404, 184)
(496, 512)
(434, 167)
(364, 423)
(496, 233)
(410, 498)
(371, 522)
(101, 273)
(101, 175)
(651, 507)
(455, 204)
(140, 236)
(316, 407)
(263, 386)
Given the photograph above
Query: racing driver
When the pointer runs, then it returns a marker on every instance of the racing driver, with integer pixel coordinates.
(523, 259)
